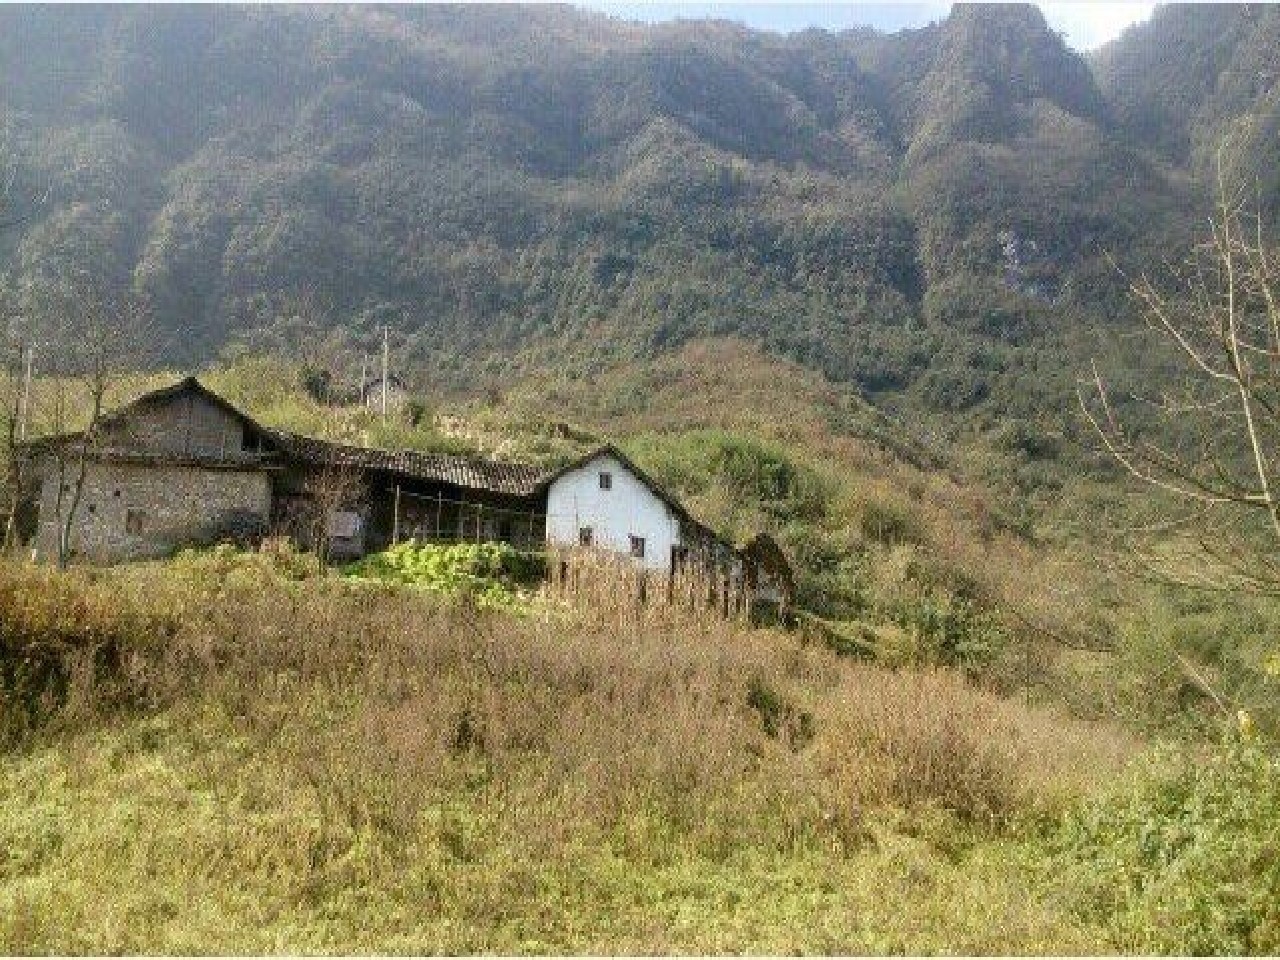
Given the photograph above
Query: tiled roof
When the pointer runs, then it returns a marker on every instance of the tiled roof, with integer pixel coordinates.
(517, 479)
(474, 473)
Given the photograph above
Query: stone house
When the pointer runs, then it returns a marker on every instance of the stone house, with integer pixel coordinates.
(181, 466)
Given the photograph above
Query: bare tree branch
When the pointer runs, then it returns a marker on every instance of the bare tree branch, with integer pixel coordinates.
(1218, 432)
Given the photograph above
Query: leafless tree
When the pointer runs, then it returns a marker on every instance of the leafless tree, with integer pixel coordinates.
(1216, 432)
(94, 337)
(14, 213)
(330, 491)
(16, 352)
(15, 462)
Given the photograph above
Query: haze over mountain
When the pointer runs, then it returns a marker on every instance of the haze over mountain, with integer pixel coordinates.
(1084, 26)
(924, 214)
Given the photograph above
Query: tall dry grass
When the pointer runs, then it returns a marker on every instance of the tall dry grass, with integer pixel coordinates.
(608, 591)
(324, 765)
(379, 697)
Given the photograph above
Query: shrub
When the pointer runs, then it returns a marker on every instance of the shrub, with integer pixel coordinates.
(316, 383)
(67, 639)
(739, 468)
(277, 558)
(928, 739)
(1021, 437)
(1188, 860)
(491, 573)
(417, 412)
(890, 523)
(779, 718)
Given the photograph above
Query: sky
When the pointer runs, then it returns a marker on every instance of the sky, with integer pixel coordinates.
(1086, 24)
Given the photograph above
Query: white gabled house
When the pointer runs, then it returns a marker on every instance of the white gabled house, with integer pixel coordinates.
(603, 500)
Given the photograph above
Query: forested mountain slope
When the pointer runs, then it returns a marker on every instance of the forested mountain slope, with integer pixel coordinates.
(925, 214)
(1196, 73)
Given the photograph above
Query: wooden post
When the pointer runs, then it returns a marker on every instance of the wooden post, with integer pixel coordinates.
(26, 394)
(386, 362)
(395, 518)
(439, 510)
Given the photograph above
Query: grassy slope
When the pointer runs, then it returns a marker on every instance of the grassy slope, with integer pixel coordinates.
(175, 835)
(883, 530)
(310, 766)
(305, 767)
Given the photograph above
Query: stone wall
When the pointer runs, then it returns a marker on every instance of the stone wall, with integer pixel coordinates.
(132, 511)
(183, 425)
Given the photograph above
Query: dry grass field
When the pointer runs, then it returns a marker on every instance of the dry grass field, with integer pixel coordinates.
(229, 752)
(216, 757)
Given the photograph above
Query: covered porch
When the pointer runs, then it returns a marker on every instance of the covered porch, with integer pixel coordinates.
(409, 508)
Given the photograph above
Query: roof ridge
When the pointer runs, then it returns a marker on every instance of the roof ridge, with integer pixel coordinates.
(455, 469)
(408, 451)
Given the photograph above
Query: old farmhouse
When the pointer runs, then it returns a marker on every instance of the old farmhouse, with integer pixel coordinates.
(181, 466)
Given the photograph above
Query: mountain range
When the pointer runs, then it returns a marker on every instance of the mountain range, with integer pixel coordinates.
(938, 216)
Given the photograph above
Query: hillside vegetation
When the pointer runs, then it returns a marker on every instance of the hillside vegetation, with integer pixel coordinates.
(894, 553)
(226, 758)
(835, 287)
(901, 550)
(924, 215)
(231, 751)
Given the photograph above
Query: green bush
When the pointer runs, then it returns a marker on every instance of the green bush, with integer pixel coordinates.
(890, 523)
(491, 573)
(1188, 861)
(744, 470)
(948, 629)
(778, 717)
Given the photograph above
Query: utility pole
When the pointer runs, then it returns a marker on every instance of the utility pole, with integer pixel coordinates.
(386, 361)
(26, 393)
(364, 380)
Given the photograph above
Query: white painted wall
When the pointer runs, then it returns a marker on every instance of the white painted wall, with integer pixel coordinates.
(575, 500)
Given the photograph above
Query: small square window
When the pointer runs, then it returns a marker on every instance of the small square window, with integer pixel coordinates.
(606, 481)
(133, 522)
(584, 536)
(637, 546)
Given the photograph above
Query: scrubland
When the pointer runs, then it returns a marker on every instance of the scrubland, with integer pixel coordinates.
(230, 753)
(976, 744)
